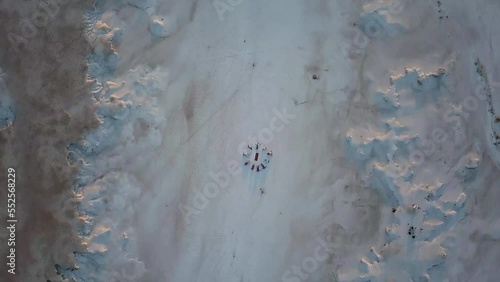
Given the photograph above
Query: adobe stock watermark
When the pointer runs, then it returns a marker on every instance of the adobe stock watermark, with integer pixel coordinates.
(29, 27)
(221, 179)
(439, 136)
(223, 6)
(297, 273)
(373, 28)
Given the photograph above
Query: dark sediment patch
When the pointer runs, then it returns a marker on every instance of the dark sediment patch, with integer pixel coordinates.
(46, 78)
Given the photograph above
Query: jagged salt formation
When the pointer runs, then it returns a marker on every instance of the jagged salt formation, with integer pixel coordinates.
(107, 184)
(396, 159)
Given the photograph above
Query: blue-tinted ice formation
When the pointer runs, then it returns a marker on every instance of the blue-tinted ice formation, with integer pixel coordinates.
(106, 186)
(7, 115)
(424, 210)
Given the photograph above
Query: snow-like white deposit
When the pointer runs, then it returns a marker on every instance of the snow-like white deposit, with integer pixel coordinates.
(379, 157)
(424, 209)
(129, 131)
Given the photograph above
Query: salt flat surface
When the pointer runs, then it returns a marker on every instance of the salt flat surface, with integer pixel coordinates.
(356, 160)
(382, 118)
